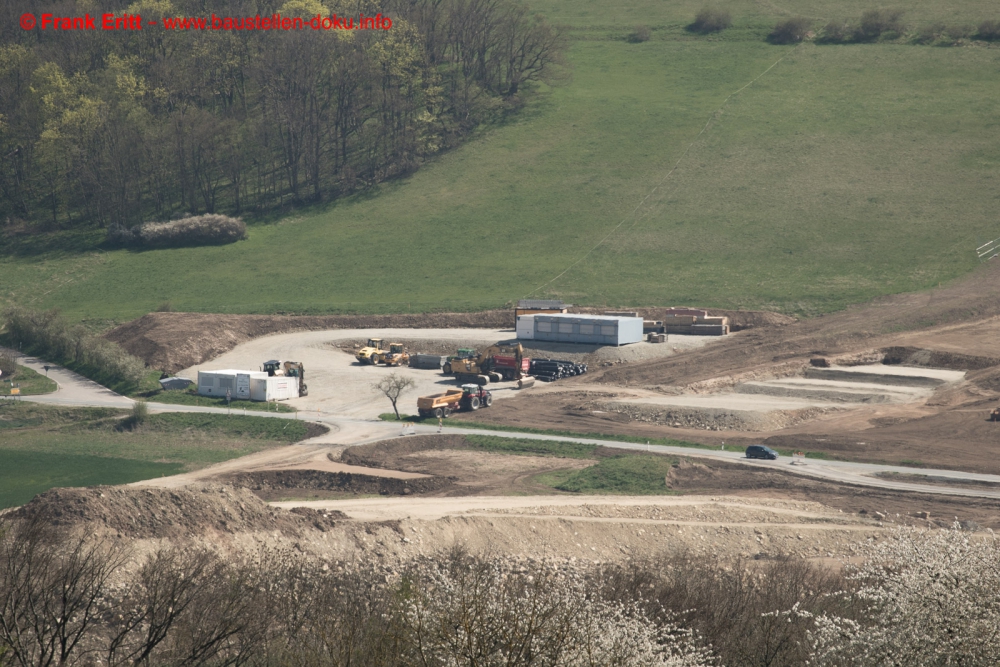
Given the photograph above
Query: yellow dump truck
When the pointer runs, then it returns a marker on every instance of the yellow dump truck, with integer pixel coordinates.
(440, 405)
(469, 397)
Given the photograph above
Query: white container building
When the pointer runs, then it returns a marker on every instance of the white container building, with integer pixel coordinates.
(590, 329)
(247, 385)
(276, 388)
(525, 327)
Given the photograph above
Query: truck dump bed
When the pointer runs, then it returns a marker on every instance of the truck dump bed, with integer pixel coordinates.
(439, 400)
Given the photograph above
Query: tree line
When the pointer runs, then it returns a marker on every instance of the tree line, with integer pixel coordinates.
(117, 128)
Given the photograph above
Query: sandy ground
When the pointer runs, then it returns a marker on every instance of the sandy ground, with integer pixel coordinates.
(339, 385)
(601, 528)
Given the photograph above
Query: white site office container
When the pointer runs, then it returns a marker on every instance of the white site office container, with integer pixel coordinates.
(525, 327)
(236, 382)
(592, 329)
(276, 388)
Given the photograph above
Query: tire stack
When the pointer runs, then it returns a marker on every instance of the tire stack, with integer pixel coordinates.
(550, 370)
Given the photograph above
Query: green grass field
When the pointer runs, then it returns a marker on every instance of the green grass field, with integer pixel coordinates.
(627, 474)
(184, 397)
(25, 474)
(640, 474)
(843, 173)
(42, 446)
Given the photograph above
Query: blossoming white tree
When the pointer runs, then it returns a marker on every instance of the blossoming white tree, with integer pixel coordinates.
(924, 598)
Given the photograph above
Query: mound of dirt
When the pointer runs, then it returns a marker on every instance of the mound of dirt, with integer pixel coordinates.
(172, 341)
(274, 484)
(915, 356)
(710, 419)
(162, 513)
(383, 454)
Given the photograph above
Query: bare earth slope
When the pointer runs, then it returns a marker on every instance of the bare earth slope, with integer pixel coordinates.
(172, 341)
(955, 312)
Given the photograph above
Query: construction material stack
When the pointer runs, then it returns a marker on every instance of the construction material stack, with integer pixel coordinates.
(539, 307)
(694, 322)
(550, 370)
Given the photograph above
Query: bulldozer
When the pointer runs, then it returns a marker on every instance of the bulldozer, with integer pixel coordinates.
(396, 356)
(503, 361)
(372, 352)
(293, 369)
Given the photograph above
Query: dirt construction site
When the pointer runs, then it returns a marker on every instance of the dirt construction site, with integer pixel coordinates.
(904, 386)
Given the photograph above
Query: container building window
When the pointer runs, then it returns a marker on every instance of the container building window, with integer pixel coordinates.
(566, 327)
(545, 326)
(587, 329)
(607, 330)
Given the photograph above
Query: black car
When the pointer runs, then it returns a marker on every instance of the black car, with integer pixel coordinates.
(761, 452)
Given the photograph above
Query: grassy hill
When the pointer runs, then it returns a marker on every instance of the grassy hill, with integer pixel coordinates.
(843, 173)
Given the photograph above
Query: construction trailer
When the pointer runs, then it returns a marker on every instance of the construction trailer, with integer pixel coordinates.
(525, 327)
(247, 385)
(588, 329)
(540, 307)
(277, 388)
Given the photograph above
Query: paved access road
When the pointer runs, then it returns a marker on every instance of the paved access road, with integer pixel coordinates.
(75, 390)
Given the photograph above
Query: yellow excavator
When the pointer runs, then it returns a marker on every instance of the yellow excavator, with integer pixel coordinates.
(503, 361)
(372, 352)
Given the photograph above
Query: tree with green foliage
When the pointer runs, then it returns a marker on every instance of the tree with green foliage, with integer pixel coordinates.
(116, 129)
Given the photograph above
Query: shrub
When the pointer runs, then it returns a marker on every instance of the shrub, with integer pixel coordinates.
(209, 229)
(930, 33)
(198, 230)
(942, 35)
(49, 335)
(711, 19)
(988, 30)
(640, 34)
(790, 31)
(120, 235)
(835, 32)
(879, 23)
(454, 611)
(8, 366)
(138, 416)
(930, 599)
